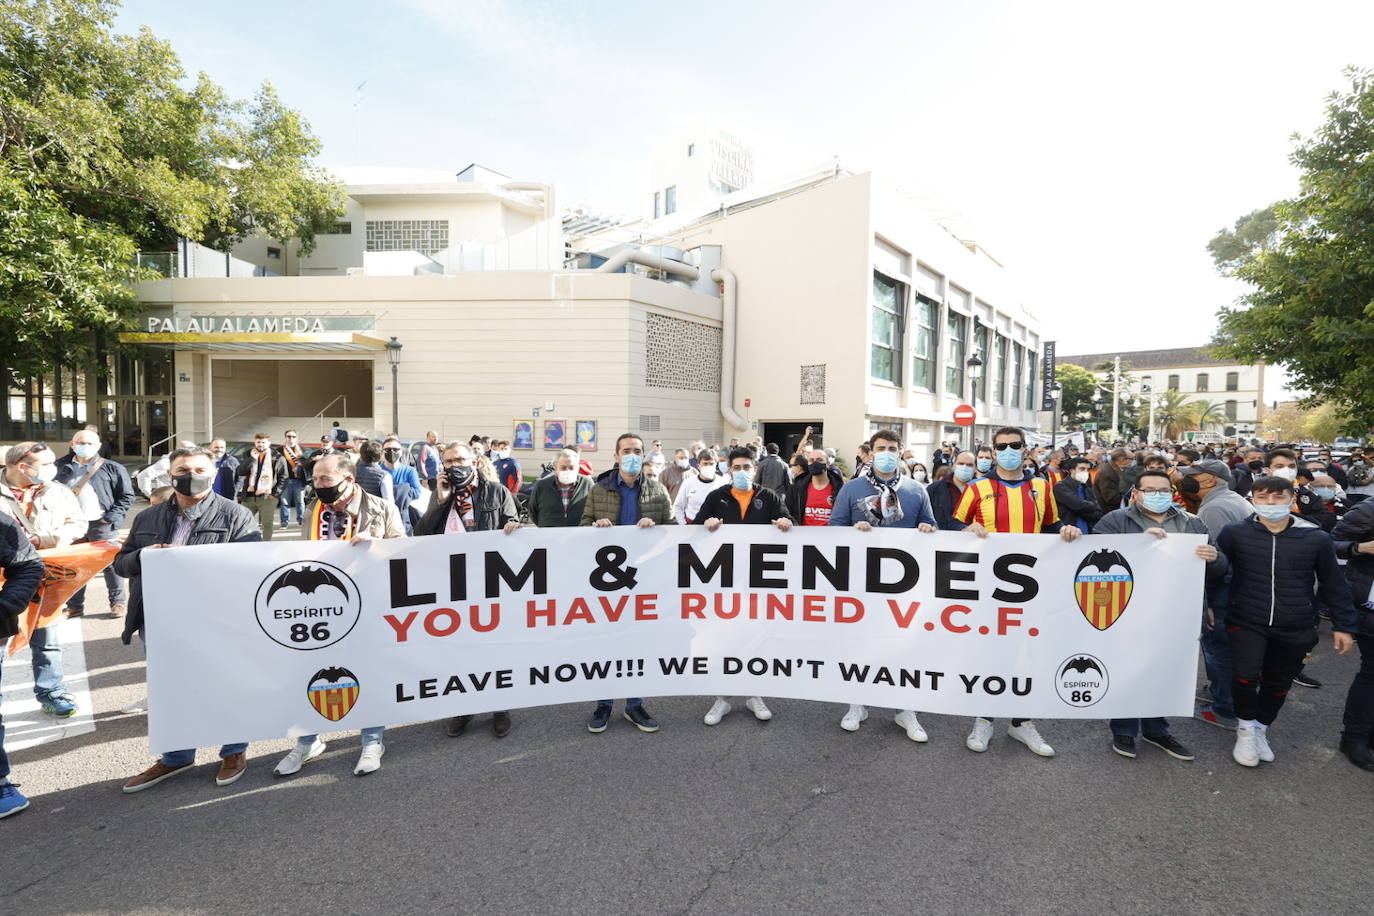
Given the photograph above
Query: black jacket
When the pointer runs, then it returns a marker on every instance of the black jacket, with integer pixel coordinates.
(772, 474)
(942, 504)
(249, 464)
(764, 508)
(23, 574)
(1242, 479)
(1072, 506)
(1356, 527)
(111, 484)
(545, 506)
(1271, 575)
(795, 499)
(1313, 508)
(492, 506)
(222, 521)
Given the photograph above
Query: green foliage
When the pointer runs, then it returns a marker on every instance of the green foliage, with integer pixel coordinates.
(1311, 304)
(1076, 394)
(106, 147)
(1204, 415)
(1173, 413)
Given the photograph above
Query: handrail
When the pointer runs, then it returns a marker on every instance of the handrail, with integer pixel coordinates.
(213, 421)
(154, 446)
(320, 415)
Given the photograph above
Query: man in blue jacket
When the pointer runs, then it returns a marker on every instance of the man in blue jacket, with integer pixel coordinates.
(1271, 620)
(882, 497)
(83, 469)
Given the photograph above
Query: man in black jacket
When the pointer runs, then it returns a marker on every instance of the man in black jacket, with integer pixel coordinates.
(772, 470)
(88, 474)
(262, 475)
(466, 502)
(195, 515)
(1271, 621)
(23, 574)
(945, 494)
(1354, 537)
(1075, 496)
(811, 497)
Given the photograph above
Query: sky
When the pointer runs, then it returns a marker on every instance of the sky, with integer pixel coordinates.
(1095, 147)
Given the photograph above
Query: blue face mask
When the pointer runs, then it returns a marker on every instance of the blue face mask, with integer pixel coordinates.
(631, 464)
(741, 481)
(1325, 492)
(886, 462)
(1158, 503)
(722, 467)
(85, 452)
(1273, 513)
(963, 473)
(1009, 459)
(984, 465)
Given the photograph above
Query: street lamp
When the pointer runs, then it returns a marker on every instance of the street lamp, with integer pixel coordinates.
(975, 372)
(393, 356)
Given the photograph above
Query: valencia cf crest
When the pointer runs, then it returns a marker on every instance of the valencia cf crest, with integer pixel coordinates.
(332, 692)
(1102, 587)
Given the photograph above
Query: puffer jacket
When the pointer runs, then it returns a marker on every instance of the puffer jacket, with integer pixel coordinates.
(1355, 528)
(1271, 575)
(604, 501)
(57, 518)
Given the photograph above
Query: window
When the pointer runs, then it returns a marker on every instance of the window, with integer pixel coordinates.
(1230, 410)
(998, 391)
(343, 227)
(1173, 383)
(658, 204)
(954, 354)
(1202, 381)
(1233, 381)
(1017, 368)
(888, 320)
(925, 347)
(274, 253)
(691, 149)
(670, 201)
(1030, 379)
(427, 236)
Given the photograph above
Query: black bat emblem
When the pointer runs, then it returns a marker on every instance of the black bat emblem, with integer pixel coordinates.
(333, 675)
(305, 580)
(1081, 665)
(1103, 561)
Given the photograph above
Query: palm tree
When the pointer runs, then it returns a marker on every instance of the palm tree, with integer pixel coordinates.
(1173, 413)
(1207, 413)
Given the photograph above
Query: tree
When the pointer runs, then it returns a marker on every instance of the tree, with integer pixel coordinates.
(1173, 413)
(1285, 423)
(1311, 273)
(1206, 414)
(1076, 389)
(105, 148)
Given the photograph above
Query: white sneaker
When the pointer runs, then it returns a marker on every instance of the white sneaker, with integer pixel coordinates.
(370, 760)
(854, 717)
(719, 710)
(907, 719)
(977, 740)
(298, 757)
(1027, 735)
(1262, 748)
(1246, 751)
(757, 707)
(136, 707)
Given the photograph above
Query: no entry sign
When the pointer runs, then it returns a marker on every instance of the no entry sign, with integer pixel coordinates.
(964, 415)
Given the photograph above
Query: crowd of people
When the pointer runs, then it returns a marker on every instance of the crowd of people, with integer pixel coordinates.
(1290, 540)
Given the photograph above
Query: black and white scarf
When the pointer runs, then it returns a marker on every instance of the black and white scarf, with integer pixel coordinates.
(884, 506)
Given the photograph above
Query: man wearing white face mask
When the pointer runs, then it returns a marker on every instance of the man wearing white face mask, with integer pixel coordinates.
(557, 500)
(1282, 463)
(106, 493)
(674, 473)
(1074, 494)
(695, 486)
(48, 513)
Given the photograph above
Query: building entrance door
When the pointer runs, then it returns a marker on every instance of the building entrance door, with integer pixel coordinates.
(136, 426)
(789, 435)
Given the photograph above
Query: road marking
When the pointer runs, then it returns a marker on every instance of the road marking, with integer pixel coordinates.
(26, 725)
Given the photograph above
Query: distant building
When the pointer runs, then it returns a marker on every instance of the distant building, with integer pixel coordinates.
(1194, 371)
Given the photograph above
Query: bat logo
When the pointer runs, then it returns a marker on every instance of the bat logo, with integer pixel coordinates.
(1082, 680)
(1102, 587)
(1081, 664)
(305, 580)
(332, 692)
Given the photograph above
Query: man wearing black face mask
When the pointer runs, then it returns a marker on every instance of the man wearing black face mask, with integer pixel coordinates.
(1243, 475)
(196, 515)
(811, 497)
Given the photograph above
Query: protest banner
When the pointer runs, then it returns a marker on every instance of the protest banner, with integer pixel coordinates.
(66, 569)
(252, 641)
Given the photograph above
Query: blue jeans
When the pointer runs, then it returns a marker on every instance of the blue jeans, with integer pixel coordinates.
(1216, 658)
(100, 531)
(1150, 728)
(47, 663)
(4, 758)
(630, 702)
(181, 758)
(370, 736)
(292, 497)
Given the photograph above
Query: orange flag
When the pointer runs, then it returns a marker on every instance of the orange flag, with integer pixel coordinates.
(68, 569)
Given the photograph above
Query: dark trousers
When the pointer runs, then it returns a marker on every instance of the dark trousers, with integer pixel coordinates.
(1359, 702)
(99, 531)
(1151, 728)
(1264, 661)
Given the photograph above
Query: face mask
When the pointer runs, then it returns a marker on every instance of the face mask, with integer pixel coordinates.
(192, 484)
(46, 474)
(393, 455)
(963, 473)
(684, 463)
(1273, 513)
(502, 455)
(885, 462)
(1325, 492)
(1158, 503)
(1081, 476)
(1285, 473)
(910, 462)
(1255, 465)
(1009, 459)
(984, 465)
(218, 453)
(631, 464)
(722, 467)
(85, 451)
(329, 495)
(459, 475)
(919, 475)
(1190, 486)
(741, 481)
(816, 468)
(568, 478)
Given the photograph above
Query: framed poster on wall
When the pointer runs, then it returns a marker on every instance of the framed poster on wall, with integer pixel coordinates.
(555, 434)
(586, 435)
(522, 434)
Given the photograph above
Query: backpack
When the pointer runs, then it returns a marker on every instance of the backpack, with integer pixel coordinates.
(1358, 475)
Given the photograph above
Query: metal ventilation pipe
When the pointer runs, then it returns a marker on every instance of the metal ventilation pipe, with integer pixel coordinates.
(729, 314)
(635, 256)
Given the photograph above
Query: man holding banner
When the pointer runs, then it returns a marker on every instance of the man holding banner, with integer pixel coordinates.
(23, 573)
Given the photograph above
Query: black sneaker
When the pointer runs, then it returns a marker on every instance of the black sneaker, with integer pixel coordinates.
(456, 725)
(500, 724)
(641, 718)
(1171, 746)
(1307, 680)
(600, 717)
(1358, 754)
(1124, 745)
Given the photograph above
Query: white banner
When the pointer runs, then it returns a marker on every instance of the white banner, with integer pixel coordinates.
(256, 641)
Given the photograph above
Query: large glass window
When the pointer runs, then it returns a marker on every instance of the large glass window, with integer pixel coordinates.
(670, 201)
(1202, 381)
(888, 320)
(1173, 383)
(1233, 381)
(999, 375)
(954, 353)
(1018, 377)
(926, 342)
(1230, 407)
(1030, 379)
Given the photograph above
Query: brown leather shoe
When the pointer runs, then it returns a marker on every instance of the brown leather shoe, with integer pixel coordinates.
(456, 725)
(231, 768)
(118, 610)
(154, 775)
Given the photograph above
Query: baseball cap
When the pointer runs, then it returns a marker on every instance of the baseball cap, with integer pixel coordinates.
(1211, 466)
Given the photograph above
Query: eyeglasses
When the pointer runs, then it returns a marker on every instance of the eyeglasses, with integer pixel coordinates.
(1015, 446)
(1144, 490)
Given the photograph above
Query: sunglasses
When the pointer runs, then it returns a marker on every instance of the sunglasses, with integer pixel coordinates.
(1017, 446)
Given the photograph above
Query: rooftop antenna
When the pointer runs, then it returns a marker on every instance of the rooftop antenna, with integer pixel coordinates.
(358, 123)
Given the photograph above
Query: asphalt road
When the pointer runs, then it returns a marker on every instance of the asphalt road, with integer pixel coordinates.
(790, 816)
